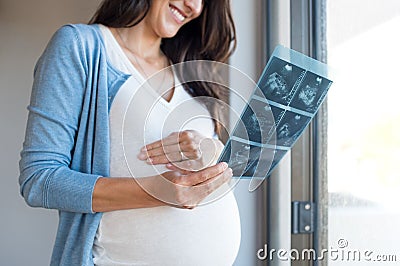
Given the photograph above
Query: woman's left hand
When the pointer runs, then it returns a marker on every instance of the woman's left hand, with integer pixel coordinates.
(188, 150)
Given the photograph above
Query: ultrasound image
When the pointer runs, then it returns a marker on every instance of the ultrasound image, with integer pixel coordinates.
(279, 81)
(290, 128)
(257, 122)
(277, 114)
(310, 93)
(240, 157)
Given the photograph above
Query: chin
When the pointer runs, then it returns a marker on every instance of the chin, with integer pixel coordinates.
(171, 29)
(169, 34)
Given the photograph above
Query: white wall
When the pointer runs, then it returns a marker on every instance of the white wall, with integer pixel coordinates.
(248, 58)
(27, 234)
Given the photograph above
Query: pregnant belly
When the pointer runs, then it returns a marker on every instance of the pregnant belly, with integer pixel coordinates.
(207, 235)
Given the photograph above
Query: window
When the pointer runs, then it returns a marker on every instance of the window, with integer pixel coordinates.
(364, 128)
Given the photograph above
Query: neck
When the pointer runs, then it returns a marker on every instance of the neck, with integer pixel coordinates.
(141, 42)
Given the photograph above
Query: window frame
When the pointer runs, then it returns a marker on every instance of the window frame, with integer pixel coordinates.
(302, 175)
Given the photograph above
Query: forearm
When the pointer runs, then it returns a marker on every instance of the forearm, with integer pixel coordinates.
(112, 194)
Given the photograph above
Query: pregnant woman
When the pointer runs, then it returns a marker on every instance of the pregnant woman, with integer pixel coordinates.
(132, 185)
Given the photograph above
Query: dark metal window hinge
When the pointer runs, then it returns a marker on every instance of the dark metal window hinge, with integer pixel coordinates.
(303, 217)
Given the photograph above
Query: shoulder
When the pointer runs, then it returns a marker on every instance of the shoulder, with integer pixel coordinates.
(75, 42)
(82, 34)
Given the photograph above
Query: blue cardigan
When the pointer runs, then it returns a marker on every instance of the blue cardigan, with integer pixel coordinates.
(66, 146)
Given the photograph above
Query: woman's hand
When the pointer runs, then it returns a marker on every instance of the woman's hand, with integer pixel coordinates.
(187, 150)
(178, 188)
(186, 189)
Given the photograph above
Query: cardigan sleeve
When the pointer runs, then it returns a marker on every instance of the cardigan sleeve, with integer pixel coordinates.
(46, 178)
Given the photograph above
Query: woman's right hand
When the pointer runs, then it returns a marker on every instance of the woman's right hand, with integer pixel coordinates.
(186, 189)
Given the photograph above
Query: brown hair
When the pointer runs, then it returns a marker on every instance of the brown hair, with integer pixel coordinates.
(211, 36)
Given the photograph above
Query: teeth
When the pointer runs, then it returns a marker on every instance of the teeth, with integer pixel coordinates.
(177, 14)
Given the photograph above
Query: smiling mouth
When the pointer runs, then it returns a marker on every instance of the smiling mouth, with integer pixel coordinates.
(177, 14)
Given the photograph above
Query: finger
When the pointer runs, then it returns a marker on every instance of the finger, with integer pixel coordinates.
(175, 153)
(199, 192)
(185, 141)
(224, 177)
(171, 139)
(191, 150)
(187, 135)
(175, 167)
(166, 149)
(208, 173)
(209, 186)
(194, 178)
(188, 165)
(171, 154)
(167, 158)
(183, 137)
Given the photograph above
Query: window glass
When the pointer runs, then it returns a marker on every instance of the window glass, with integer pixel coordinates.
(364, 131)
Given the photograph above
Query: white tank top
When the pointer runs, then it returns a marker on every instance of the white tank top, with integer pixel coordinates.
(208, 235)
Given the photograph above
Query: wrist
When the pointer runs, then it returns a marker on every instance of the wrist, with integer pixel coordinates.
(111, 194)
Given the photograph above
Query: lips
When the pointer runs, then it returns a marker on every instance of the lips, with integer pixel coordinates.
(179, 16)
